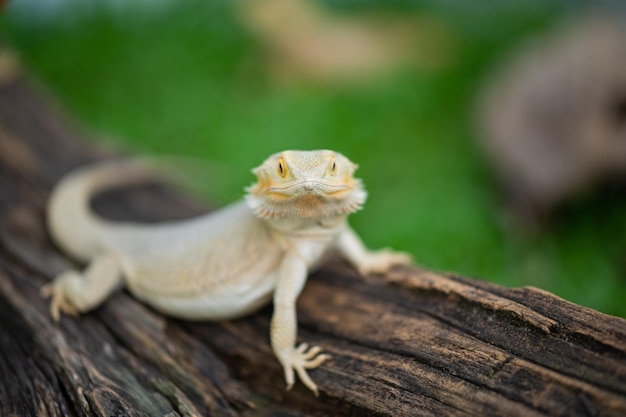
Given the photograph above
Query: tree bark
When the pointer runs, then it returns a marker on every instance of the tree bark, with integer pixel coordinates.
(413, 342)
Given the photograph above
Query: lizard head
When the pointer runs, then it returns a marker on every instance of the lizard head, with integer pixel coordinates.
(306, 185)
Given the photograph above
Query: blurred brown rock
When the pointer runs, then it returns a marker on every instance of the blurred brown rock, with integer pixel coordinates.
(306, 42)
(553, 118)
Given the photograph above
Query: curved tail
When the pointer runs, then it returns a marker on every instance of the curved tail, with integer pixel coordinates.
(72, 223)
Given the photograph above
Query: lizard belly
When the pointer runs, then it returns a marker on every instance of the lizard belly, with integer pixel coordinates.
(215, 267)
(231, 301)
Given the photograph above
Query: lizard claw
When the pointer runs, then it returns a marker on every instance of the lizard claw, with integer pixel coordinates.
(299, 360)
(46, 290)
(59, 302)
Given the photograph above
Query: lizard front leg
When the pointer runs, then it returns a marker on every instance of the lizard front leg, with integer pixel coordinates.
(291, 279)
(366, 261)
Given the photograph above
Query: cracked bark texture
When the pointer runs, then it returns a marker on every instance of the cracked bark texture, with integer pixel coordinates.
(411, 343)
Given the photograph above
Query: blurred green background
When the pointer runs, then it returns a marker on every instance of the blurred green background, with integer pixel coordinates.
(191, 78)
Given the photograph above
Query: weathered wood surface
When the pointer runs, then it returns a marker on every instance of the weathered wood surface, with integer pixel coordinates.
(412, 343)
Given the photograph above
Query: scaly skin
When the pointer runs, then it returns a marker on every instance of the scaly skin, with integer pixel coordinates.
(224, 264)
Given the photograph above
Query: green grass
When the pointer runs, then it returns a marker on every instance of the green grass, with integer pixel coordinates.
(190, 81)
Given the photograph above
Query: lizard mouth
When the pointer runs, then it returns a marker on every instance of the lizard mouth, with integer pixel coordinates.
(307, 200)
(315, 187)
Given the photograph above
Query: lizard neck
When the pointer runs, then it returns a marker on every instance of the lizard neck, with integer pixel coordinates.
(310, 239)
(322, 227)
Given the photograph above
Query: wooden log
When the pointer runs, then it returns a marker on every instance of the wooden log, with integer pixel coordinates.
(413, 342)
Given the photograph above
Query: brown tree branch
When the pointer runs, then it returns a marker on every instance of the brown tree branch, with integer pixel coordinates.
(413, 342)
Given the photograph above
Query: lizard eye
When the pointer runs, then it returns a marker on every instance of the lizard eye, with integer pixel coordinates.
(282, 171)
(333, 168)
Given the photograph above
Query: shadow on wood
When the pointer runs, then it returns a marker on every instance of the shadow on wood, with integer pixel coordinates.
(413, 342)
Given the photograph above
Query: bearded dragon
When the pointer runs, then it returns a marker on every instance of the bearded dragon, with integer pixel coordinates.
(221, 265)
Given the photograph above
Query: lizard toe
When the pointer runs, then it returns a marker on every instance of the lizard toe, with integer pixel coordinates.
(299, 360)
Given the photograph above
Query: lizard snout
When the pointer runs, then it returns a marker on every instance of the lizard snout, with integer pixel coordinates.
(309, 185)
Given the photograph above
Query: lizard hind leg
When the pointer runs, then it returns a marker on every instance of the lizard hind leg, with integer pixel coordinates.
(73, 292)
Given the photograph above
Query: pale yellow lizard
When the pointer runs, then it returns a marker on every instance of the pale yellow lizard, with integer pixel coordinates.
(222, 265)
